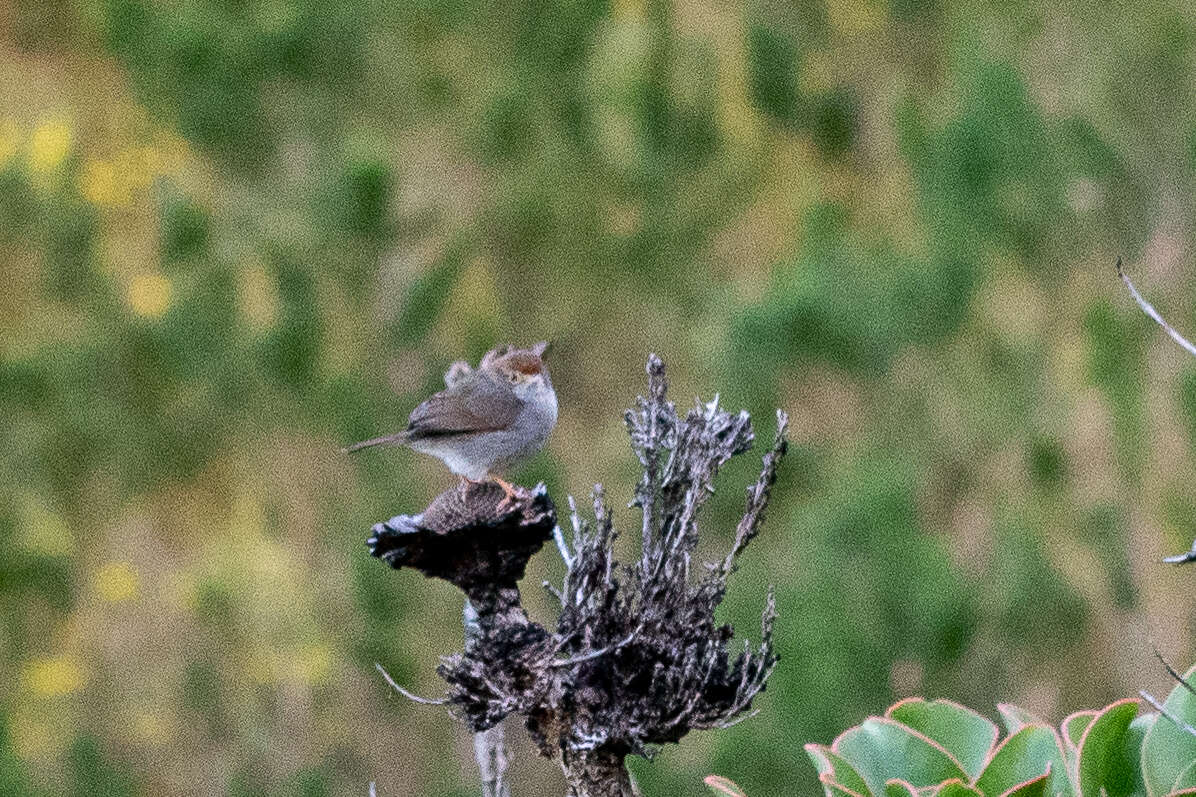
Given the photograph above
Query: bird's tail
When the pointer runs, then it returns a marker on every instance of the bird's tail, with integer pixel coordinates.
(395, 439)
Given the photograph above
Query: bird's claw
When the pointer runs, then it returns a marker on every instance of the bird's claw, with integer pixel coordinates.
(512, 495)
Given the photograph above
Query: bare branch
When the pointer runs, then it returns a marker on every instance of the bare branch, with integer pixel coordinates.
(493, 757)
(758, 494)
(1182, 558)
(562, 546)
(412, 697)
(737, 720)
(1153, 313)
(593, 654)
(1172, 671)
(1159, 707)
(1148, 308)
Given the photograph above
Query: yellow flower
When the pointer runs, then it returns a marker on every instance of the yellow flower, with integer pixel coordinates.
(116, 582)
(51, 676)
(148, 295)
(50, 144)
(312, 663)
(99, 184)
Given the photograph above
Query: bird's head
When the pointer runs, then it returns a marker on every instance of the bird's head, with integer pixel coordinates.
(523, 368)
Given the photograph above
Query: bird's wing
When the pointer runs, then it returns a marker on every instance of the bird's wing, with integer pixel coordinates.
(478, 404)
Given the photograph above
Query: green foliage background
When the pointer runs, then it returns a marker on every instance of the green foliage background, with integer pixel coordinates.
(235, 235)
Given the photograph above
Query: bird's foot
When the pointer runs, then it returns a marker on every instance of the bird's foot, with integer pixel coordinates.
(512, 494)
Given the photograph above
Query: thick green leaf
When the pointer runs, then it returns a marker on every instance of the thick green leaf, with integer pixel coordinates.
(1186, 779)
(1132, 749)
(1103, 768)
(832, 789)
(830, 763)
(721, 785)
(1014, 718)
(881, 749)
(1027, 754)
(957, 788)
(1169, 749)
(1072, 730)
(1075, 725)
(1031, 788)
(963, 733)
(899, 788)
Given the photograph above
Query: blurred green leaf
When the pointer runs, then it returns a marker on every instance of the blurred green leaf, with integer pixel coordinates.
(13, 782)
(834, 121)
(1047, 462)
(426, 298)
(186, 229)
(773, 64)
(95, 774)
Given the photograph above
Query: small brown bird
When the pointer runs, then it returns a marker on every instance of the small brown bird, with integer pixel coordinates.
(486, 418)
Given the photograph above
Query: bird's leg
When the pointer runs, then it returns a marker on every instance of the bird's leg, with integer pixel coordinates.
(509, 489)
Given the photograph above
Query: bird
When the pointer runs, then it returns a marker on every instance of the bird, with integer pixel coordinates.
(486, 419)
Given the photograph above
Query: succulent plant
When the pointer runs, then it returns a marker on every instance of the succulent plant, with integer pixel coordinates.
(921, 748)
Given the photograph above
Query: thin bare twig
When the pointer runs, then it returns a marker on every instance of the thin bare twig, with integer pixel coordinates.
(1162, 710)
(593, 654)
(561, 545)
(1148, 308)
(1172, 671)
(1182, 558)
(412, 697)
(1153, 313)
(758, 495)
(736, 720)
